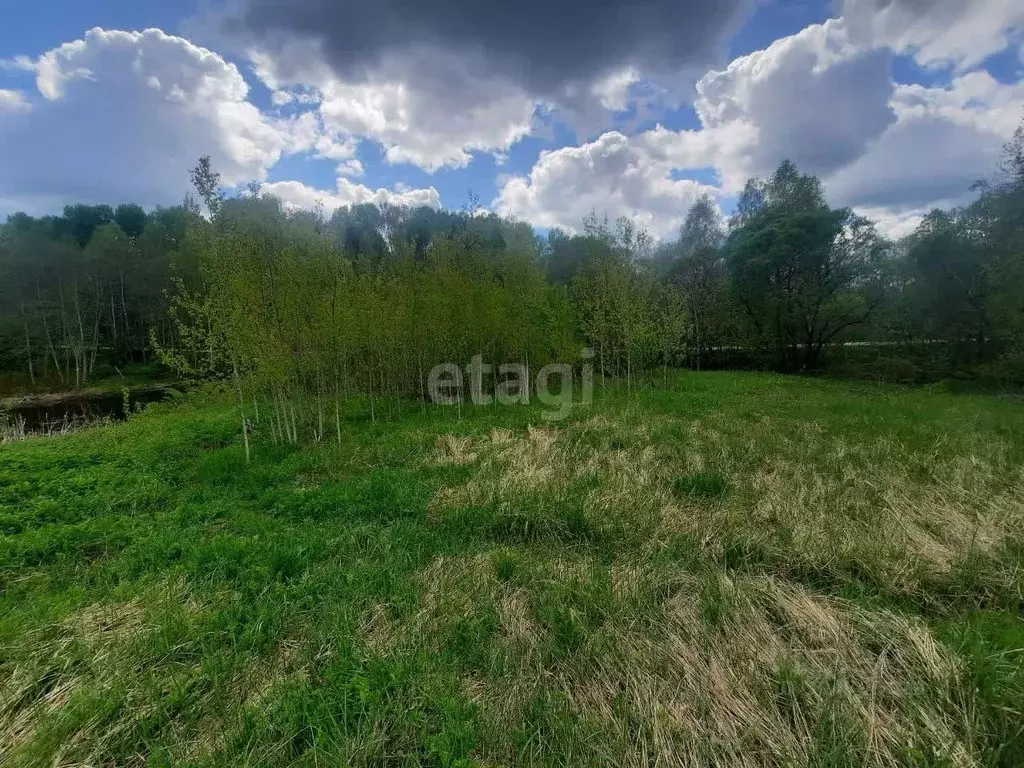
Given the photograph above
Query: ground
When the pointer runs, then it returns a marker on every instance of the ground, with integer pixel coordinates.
(728, 569)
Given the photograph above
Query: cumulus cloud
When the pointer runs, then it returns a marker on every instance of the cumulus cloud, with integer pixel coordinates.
(128, 113)
(612, 176)
(924, 159)
(433, 82)
(825, 100)
(813, 98)
(893, 224)
(820, 98)
(944, 139)
(433, 85)
(938, 33)
(438, 121)
(296, 195)
(437, 124)
(343, 152)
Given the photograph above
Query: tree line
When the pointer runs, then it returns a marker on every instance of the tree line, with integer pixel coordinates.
(301, 306)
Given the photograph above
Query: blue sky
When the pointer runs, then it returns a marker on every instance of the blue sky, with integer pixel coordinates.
(898, 105)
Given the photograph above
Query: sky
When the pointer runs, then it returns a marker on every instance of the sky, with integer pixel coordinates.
(543, 110)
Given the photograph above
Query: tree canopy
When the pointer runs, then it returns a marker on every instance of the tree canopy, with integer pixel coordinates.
(367, 297)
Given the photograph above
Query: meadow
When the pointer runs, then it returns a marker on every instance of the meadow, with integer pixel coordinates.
(727, 569)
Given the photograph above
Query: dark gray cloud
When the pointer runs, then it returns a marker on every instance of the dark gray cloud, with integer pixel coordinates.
(544, 45)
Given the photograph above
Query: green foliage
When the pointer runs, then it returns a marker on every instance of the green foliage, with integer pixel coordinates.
(207, 184)
(131, 218)
(963, 279)
(81, 221)
(698, 273)
(302, 304)
(803, 272)
(85, 292)
(615, 295)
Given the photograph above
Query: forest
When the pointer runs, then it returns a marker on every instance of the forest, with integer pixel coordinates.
(368, 298)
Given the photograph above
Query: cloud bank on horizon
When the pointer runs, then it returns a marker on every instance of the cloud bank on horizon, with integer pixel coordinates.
(547, 112)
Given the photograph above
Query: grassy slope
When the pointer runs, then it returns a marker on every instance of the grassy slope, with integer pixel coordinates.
(737, 570)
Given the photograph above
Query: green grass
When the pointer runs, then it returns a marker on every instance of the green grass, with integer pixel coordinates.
(737, 569)
(703, 486)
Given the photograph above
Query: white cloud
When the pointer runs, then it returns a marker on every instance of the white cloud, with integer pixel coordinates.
(820, 98)
(613, 90)
(13, 101)
(937, 32)
(824, 98)
(614, 176)
(434, 119)
(19, 63)
(976, 99)
(893, 224)
(280, 98)
(944, 140)
(813, 98)
(296, 195)
(413, 127)
(304, 132)
(342, 151)
(470, 81)
(128, 113)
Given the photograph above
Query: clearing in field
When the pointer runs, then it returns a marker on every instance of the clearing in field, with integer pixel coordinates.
(733, 570)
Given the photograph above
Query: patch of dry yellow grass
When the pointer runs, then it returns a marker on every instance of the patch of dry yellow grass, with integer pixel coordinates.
(36, 690)
(511, 466)
(452, 449)
(756, 689)
(755, 685)
(782, 667)
(93, 650)
(752, 690)
(102, 622)
(834, 498)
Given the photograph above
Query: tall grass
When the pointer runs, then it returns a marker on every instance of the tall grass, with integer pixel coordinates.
(14, 427)
(732, 569)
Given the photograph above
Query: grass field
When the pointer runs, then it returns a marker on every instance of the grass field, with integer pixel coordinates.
(734, 570)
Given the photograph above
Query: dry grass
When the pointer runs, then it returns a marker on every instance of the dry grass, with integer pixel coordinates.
(84, 652)
(780, 672)
(758, 687)
(830, 498)
(724, 671)
(102, 623)
(512, 467)
(103, 652)
(451, 449)
(685, 579)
